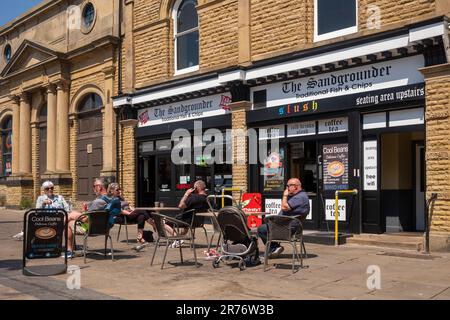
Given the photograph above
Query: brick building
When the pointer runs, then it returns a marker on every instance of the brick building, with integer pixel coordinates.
(57, 75)
(356, 91)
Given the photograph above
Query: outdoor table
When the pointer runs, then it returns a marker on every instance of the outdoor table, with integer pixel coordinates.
(160, 210)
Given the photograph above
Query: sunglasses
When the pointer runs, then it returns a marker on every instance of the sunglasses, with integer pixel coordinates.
(51, 188)
(292, 185)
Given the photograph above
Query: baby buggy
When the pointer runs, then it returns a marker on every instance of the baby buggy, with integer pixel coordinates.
(238, 243)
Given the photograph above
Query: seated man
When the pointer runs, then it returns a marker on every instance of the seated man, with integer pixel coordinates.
(295, 202)
(194, 200)
(100, 188)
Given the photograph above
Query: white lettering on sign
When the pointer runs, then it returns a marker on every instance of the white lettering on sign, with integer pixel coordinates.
(370, 165)
(309, 216)
(185, 110)
(333, 125)
(273, 206)
(301, 129)
(271, 132)
(377, 76)
(330, 207)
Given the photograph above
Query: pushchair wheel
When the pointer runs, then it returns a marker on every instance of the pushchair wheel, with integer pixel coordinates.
(242, 265)
(215, 264)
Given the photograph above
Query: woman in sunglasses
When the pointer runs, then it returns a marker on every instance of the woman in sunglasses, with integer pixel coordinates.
(49, 200)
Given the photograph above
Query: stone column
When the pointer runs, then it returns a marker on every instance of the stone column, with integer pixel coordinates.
(15, 135)
(244, 31)
(128, 160)
(109, 126)
(25, 135)
(239, 146)
(51, 129)
(62, 128)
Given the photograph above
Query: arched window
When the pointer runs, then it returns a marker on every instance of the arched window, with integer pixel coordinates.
(91, 102)
(6, 146)
(186, 36)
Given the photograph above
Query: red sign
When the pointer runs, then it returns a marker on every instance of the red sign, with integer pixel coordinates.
(252, 202)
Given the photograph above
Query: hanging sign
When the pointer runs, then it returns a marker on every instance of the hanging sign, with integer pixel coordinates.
(370, 165)
(335, 166)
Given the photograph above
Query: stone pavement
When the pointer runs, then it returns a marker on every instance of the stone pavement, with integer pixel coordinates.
(332, 273)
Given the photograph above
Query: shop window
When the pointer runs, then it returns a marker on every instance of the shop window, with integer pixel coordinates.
(183, 177)
(147, 146)
(7, 53)
(91, 102)
(334, 18)
(6, 146)
(162, 145)
(164, 173)
(186, 36)
(273, 171)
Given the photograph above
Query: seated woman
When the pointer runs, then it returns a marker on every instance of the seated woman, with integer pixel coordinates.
(133, 216)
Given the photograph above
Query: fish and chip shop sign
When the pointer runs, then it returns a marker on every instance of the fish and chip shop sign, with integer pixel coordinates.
(185, 110)
(378, 76)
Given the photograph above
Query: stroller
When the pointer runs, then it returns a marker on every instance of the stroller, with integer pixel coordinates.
(238, 243)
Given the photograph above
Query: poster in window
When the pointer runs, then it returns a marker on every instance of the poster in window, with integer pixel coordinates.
(273, 171)
(335, 166)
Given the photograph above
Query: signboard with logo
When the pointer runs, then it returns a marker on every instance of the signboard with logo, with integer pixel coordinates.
(362, 79)
(44, 232)
(335, 166)
(330, 207)
(370, 177)
(273, 171)
(251, 203)
(185, 110)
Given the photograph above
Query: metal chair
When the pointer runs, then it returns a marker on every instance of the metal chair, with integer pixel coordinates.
(126, 224)
(98, 222)
(280, 230)
(160, 220)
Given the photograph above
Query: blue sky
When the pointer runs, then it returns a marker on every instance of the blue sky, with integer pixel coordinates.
(9, 9)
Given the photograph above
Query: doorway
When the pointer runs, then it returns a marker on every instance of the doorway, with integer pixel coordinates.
(403, 181)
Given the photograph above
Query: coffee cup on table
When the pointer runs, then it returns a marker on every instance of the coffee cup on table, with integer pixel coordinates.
(156, 204)
(161, 205)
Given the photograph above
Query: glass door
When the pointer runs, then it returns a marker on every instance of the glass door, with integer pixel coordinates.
(146, 181)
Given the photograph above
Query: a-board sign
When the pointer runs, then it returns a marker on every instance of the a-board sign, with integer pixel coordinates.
(45, 237)
(251, 203)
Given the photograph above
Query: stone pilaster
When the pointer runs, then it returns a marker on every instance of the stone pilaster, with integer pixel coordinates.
(437, 120)
(239, 146)
(109, 127)
(128, 160)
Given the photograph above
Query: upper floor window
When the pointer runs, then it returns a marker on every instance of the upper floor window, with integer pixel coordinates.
(6, 146)
(7, 53)
(334, 18)
(186, 36)
(91, 102)
(88, 17)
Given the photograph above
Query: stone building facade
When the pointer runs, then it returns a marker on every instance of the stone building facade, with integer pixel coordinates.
(383, 70)
(58, 67)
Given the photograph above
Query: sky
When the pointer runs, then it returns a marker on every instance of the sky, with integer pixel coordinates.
(10, 9)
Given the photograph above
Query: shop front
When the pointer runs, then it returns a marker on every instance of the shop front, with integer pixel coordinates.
(358, 128)
(177, 145)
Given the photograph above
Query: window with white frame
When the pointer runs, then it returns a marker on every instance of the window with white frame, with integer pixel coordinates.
(334, 18)
(186, 36)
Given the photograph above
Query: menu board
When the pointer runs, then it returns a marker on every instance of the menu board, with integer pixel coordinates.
(335, 166)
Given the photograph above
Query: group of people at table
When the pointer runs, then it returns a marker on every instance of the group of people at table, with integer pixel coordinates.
(109, 197)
